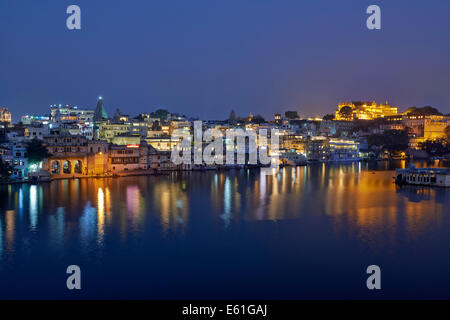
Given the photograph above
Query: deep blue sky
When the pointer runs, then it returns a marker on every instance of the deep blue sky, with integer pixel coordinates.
(205, 57)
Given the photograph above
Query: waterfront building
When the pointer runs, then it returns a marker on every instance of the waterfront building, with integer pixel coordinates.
(14, 154)
(20, 161)
(343, 150)
(294, 142)
(331, 149)
(292, 158)
(75, 155)
(153, 158)
(165, 162)
(364, 110)
(127, 158)
(317, 148)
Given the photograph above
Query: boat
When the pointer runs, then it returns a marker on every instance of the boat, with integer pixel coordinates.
(435, 177)
(292, 159)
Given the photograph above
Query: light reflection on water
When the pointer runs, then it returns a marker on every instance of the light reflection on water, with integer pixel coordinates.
(358, 196)
(105, 219)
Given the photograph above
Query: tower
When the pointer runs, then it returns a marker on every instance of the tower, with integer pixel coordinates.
(100, 112)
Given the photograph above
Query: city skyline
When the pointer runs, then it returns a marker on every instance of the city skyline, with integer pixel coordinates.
(16, 117)
(263, 57)
(244, 152)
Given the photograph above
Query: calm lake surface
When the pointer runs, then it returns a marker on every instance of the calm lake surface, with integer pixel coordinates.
(305, 232)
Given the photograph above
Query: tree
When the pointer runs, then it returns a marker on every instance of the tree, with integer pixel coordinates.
(36, 151)
(117, 115)
(5, 169)
(258, 119)
(390, 140)
(328, 117)
(346, 112)
(291, 115)
(160, 113)
(425, 111)
(447, 133)
(437, 147)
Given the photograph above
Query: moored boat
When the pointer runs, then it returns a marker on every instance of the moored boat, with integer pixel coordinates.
(435, 177)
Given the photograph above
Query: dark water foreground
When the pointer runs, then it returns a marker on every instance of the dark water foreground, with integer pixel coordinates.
(305, 232)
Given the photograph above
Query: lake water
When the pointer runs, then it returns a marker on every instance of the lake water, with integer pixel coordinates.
(305, 232)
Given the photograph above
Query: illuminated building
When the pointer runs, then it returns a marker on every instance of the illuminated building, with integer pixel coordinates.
(107, 131)
(19, 161)
(364, 110)
(75, 155)
(126, 140)
(162, 143)
(316, 148)
(324, 149)
(127, 158)
(294, 142)
(425, 127)
(332, 127)
(35, 120)
(342, 150)
(428, 127)
(5, 115)
(182, 127)
(278, 119)
(66, 113)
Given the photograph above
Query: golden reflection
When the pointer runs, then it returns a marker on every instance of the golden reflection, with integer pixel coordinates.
(10, 222)
(165, 211)
(108, 202)
(371, 208)
(100, 212)
(173, 204)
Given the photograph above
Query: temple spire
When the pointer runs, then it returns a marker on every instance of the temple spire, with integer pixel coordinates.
(100, 111)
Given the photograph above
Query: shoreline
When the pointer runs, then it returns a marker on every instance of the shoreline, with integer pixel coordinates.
(154, 172)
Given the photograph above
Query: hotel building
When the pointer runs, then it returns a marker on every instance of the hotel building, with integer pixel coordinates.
(364, 110)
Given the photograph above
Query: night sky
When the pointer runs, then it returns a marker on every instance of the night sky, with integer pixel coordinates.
(205, 57)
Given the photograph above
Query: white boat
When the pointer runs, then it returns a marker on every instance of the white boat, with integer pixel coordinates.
(434, 177)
